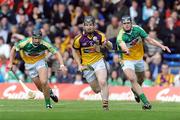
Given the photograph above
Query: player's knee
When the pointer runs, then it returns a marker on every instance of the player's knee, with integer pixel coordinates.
(102, 83)
(132, 80)
(44, 83)
(97, 90)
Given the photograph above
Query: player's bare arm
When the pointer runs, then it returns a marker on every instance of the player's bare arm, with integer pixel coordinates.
(124, 47)
(156, 43)
(18, 36)
(59, 58)
(76, 56)
(12, 56)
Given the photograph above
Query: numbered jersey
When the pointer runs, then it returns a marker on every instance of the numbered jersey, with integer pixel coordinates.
(30, 53)
(86, 46)
(134, 41)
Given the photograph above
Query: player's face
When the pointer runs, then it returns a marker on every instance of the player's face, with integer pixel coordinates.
(36, 41)
(164, 69)
(89, 27)
(127, 26)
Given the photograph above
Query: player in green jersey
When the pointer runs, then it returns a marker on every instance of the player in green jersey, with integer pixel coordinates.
(32, 51)
(130, 40)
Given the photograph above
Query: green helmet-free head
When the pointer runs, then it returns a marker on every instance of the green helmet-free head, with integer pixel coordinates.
(36, 37)
(127, 23)
(89, 24)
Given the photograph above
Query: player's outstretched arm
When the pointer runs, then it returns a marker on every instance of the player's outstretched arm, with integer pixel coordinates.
(12, 57)
(18, 36)
(158, 44)
(57, 54)
(124, 47)
(59, 58)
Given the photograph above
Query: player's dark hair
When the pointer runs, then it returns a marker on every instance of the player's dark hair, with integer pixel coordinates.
(126, 18)
(89, 19)
(37, 33)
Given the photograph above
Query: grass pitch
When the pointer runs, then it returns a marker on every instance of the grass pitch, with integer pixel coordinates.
(86, 110)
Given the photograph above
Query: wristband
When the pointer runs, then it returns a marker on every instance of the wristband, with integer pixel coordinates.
(62, 65)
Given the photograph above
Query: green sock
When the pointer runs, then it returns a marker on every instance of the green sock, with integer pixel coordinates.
(143, 98)
(47, 101)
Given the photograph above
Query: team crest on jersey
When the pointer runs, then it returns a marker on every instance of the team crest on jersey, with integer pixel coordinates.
(134, 41)
(84, 44)
(87, 43)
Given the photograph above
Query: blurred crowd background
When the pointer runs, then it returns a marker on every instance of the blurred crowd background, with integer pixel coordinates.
(61, 20)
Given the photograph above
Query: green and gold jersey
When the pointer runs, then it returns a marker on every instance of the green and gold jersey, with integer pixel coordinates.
(30, 53)
(134, 41)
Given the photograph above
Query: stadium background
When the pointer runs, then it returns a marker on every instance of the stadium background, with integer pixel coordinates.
(61, 20)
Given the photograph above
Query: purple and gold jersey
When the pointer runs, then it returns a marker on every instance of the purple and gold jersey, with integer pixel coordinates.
(86, 46)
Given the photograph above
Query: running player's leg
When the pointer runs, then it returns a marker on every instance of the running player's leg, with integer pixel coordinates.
(130, 74)
(140, 77)
(129, 70)
(102, 79)
(101, 75)
(39, 86)
(41, 68)
(43, 77)
(130, 65)
(95, 86)
(37, 82)
(39, 71)
(92, 80)
(140, 68)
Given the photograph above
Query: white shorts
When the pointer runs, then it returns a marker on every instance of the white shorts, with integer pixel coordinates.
(33, 68)
(90, 75)
(136, 65)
